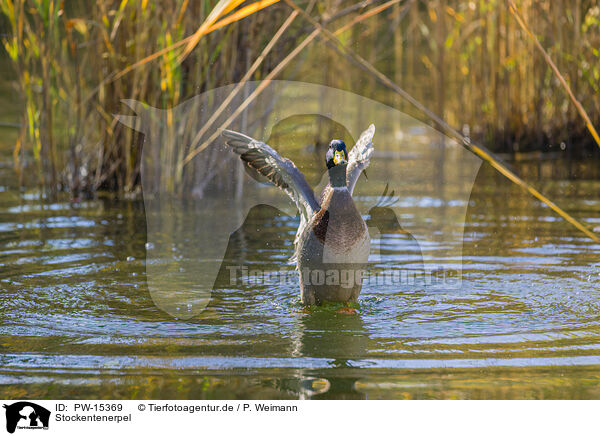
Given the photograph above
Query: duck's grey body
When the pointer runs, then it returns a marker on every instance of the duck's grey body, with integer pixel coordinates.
(332, 242)
(333, 250)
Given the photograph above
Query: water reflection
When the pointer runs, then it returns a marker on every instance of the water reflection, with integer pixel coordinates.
(339, 338)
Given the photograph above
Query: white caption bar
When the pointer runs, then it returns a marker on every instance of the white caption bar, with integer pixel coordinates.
(152, 417)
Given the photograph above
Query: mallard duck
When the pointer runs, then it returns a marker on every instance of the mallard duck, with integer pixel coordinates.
(332, 242)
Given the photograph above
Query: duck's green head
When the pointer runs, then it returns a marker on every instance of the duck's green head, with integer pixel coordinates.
(337, 154)
(337, 160)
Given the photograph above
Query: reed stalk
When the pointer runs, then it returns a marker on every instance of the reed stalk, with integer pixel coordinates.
(267, 80)
(259, 60)
(559, 76)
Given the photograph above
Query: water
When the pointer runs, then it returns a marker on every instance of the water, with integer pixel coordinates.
(77, 320)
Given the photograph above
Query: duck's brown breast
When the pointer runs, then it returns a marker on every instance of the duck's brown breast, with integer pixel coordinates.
(338, 224)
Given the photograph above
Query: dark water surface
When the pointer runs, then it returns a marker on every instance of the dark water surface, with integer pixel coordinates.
(77, 320)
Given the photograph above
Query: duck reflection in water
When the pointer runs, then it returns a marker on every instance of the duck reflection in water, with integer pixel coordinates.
(342, 340)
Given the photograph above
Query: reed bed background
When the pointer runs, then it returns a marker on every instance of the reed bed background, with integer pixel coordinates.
(468, 61)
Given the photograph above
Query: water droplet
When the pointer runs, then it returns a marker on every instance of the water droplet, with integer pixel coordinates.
(130, 258)
(149, 246)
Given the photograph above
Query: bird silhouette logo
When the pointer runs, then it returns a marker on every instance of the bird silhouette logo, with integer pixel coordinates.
(26, 415)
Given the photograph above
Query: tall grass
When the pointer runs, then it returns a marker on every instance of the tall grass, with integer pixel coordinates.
(63, 57)
(469, 60)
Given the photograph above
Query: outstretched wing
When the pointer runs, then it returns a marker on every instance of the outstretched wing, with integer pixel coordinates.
(280, 171)
(359, 157)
